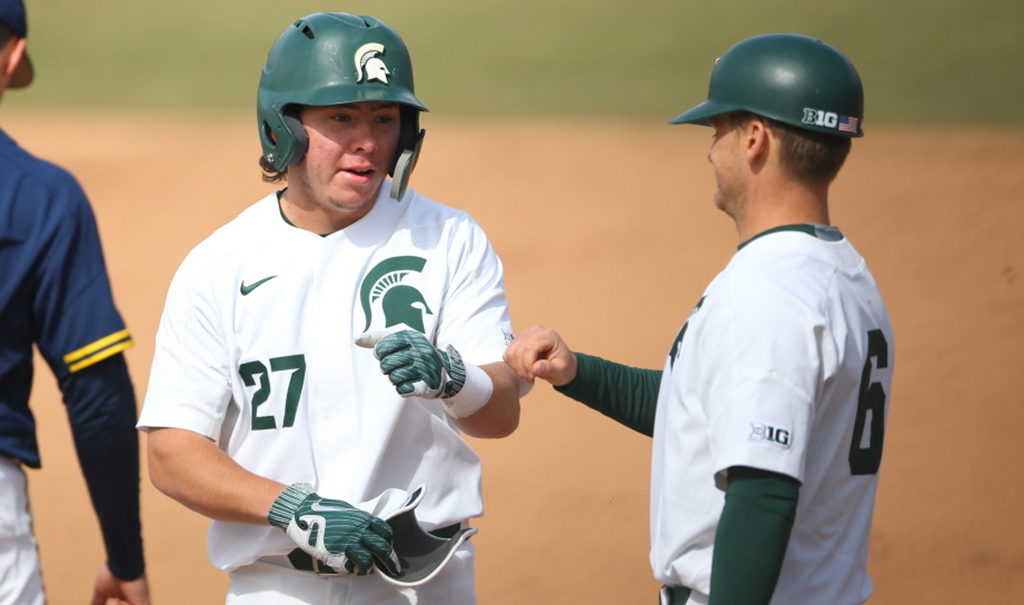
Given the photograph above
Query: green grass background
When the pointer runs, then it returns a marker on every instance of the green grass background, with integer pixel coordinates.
(922, 61)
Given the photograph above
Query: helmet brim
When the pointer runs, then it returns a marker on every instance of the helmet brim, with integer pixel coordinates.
(343, 94)
(700, 114)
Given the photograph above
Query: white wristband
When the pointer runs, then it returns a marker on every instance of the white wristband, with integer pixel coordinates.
(473, 395)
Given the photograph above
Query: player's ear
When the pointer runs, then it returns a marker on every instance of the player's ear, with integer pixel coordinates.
(12, 55)
(756, 140)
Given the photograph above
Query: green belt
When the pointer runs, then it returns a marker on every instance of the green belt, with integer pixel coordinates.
(304, 561)
(674, 595)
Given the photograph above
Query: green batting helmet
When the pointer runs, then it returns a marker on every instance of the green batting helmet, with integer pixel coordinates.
(332, 59)
(790, 78)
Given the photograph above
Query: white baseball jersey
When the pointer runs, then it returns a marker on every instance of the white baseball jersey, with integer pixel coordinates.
(786, 366)
(256, 350)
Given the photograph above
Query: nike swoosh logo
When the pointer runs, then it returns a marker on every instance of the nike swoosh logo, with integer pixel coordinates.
(317, 507)
(245, 290)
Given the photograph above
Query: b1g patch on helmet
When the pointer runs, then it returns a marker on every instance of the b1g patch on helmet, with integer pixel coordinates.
(778, 436)
(370, 65)
(384, 288)
(830, 119)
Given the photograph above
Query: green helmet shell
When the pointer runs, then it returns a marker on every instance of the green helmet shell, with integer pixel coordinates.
(794, 79)
(331, 59)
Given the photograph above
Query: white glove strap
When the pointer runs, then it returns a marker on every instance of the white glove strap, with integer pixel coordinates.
(474, 394)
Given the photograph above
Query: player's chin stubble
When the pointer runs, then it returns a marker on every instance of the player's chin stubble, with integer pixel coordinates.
(728, 196)
(334, 201)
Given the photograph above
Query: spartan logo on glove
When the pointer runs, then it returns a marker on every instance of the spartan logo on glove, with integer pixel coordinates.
(399, 302)
(370, 65)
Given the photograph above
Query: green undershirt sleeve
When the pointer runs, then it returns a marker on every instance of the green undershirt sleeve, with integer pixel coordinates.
(752, 534)
(625, 394)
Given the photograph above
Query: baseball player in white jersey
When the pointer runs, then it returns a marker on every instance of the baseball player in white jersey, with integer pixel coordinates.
(768, 418)
(320, 355)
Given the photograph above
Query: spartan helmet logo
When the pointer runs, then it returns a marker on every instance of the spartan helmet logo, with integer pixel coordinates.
(369, 63)
(400, 303)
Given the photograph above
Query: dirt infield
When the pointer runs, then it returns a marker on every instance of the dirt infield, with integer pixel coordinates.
(607, 232)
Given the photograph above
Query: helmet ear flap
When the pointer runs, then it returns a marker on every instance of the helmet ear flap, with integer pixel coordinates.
(408, 135)
(300, 140)
(410, 139)
(284, 144)
(404, 167)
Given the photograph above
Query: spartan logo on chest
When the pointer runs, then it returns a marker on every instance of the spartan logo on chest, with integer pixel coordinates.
(677, 344)
(369, 65)
(384, 292)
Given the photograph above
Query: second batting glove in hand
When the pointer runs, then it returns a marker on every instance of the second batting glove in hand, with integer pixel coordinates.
(335, 532)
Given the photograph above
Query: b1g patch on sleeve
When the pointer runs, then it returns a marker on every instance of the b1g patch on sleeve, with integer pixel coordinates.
(777, 436)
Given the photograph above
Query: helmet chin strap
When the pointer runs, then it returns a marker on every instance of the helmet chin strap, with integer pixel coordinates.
(404, 167)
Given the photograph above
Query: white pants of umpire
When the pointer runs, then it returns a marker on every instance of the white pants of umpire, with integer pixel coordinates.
(264, 583)
(20, 580)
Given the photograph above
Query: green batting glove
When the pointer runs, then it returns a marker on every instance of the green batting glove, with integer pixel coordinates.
(419, 369)
(333, 531)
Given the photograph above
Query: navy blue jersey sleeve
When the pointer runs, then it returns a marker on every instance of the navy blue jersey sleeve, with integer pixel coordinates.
(69, 309)
(76, 322)
(102, 411)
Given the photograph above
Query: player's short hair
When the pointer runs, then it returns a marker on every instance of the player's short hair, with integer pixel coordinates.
(807, 155)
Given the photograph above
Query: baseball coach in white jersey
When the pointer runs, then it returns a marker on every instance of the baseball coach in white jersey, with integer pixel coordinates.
(768, 418)
(320, 356)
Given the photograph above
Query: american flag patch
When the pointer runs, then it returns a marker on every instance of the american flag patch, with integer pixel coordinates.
(848, 124)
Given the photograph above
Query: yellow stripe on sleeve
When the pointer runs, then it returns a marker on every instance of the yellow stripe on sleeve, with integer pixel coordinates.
(98, 351)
